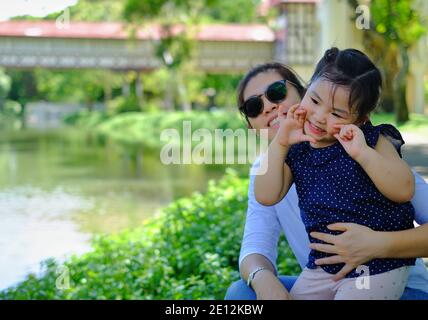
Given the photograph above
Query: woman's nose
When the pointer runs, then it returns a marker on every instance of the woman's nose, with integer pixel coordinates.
(269, 106)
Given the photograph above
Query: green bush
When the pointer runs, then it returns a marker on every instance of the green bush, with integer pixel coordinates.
(188, 251)
(86, 119)
(144, 129)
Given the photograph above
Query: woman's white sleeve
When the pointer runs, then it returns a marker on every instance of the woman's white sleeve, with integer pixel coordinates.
(420, 200)
(262, 229)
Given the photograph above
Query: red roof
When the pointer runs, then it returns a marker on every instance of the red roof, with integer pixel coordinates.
(109, 30)
(277, 2)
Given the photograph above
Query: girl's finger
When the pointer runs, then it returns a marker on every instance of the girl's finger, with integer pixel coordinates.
(300, 111)
(338, 126)
(341, 141)
(343, 133)
(290, 114)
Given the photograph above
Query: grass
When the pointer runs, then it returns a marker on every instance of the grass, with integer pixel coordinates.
(418, 123)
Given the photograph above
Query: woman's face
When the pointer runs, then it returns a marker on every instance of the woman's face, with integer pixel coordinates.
(326, 107)
(265, 120)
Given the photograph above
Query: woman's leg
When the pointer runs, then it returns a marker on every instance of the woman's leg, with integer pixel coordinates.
(384, 286)
(240, 291)
(414, 294)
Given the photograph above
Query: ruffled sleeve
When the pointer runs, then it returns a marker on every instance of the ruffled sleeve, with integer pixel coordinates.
(372, 133)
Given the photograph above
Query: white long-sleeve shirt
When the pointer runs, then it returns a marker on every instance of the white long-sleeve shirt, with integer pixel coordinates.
(264, 225)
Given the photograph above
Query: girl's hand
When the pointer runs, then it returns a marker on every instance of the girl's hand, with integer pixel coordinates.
(291, 126)
(355, 246)
(352, 139)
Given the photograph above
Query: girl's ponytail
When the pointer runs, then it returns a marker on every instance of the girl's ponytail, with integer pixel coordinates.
(330, 55)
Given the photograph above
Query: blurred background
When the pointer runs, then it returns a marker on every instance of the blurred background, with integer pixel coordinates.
(87, 86)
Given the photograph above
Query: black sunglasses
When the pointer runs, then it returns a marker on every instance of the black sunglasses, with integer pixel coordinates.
(275, 93)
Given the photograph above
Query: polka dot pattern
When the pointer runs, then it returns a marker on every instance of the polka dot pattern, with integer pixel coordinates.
(332, 187)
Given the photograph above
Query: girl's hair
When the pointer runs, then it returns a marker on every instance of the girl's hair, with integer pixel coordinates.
(284, 71)
(353, 69)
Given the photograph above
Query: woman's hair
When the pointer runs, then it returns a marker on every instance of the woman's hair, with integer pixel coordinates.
(353, 69)
(284, 71)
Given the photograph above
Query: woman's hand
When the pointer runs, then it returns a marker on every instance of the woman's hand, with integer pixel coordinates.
(352, 139)
(268, 287)
(355, 246)
(291, 126)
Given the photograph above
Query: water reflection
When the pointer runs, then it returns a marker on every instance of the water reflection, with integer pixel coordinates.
(36, 225)
(59, 188)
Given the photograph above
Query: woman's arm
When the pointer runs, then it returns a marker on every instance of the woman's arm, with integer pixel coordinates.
(359, 244)
(265, 283)
(260, 248)
(406, 243)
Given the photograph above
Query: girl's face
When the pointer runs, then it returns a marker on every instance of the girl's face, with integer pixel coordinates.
(326, 106)
(266, 119)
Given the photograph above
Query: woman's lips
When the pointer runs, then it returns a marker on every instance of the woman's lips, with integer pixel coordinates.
(274, 122)
(315, 130)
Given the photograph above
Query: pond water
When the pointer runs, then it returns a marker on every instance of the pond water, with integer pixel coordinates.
(59, 188)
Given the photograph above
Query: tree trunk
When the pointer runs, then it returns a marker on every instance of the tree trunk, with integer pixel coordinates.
(390, 70)
(182, 90)
(169, 96)
(400, 86)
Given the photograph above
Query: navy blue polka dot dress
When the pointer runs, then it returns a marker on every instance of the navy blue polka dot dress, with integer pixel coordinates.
(332, 187)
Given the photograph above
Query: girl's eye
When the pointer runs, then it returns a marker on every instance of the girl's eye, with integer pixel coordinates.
(336, 115)
(314, 101)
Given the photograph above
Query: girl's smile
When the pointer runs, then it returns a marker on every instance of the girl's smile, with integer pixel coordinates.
(313, 129)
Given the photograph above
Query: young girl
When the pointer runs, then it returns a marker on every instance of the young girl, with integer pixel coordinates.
(345, 171)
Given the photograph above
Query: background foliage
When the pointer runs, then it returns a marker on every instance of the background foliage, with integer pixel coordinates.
(189, 250)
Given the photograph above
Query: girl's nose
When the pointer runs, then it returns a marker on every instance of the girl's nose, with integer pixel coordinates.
(320, 117)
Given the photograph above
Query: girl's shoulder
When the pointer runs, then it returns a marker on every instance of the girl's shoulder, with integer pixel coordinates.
(390, 132)
(297, 151)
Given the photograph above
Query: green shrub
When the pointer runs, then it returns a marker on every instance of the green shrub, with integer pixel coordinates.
(189, 250)
(144, 129)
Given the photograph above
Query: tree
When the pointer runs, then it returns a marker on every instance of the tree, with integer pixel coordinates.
(178, 21)
(395, 27)
(88, 10)
(5, 84)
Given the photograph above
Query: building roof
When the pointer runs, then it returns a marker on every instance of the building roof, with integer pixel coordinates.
(277, 2)
(111, 30)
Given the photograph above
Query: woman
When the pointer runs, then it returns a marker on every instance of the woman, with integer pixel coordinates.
(260, 94)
